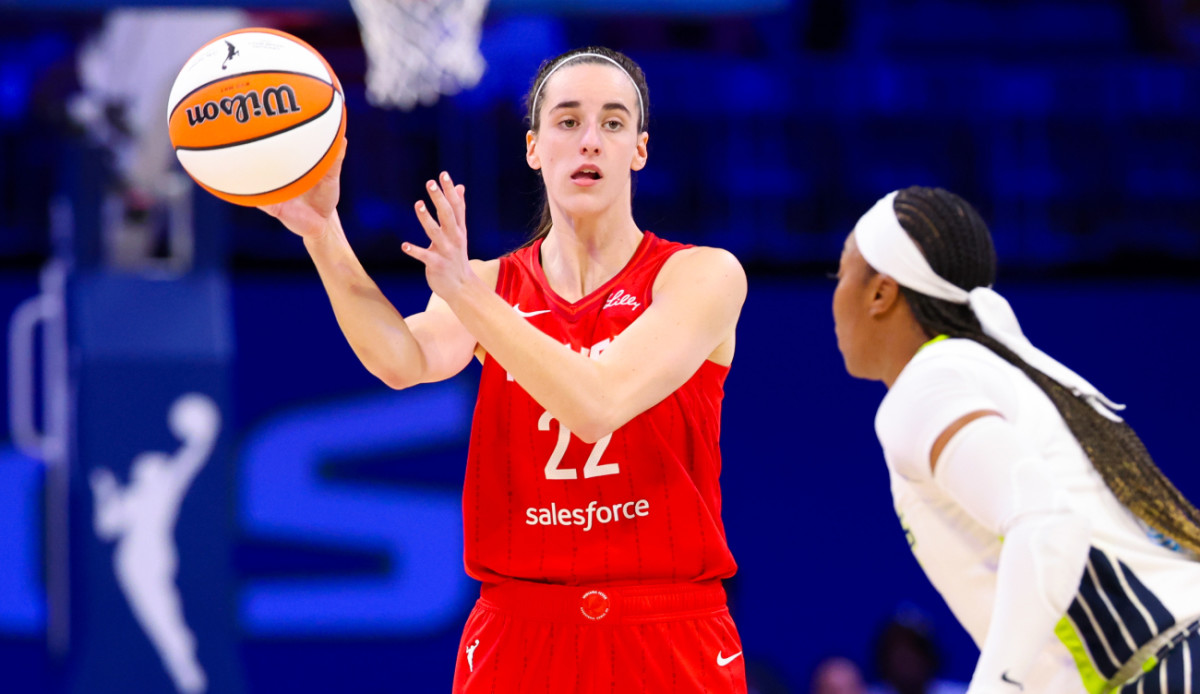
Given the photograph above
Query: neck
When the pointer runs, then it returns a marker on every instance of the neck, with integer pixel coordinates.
(900, 346)
(581, 254)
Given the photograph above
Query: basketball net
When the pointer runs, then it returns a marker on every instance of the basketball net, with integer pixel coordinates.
(418, 50)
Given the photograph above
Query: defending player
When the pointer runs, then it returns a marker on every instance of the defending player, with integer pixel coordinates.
(592, 509)
(1034, 508)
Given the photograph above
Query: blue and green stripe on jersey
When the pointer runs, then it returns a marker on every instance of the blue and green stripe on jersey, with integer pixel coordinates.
(1112, 615)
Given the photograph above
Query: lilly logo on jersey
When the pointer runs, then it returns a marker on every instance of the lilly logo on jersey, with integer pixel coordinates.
(620, 298)
(272, 101)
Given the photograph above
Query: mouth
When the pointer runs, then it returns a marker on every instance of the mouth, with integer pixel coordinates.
(587, 172)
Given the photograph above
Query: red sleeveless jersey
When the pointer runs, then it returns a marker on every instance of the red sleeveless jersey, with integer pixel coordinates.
(642, 505)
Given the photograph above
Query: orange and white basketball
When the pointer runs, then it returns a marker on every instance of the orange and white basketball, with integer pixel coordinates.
(256, 116)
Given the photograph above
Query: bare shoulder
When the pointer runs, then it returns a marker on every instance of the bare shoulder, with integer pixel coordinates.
(488, 270)
(706, 265)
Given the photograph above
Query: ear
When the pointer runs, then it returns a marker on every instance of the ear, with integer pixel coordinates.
(642, 153)
(883, 294)
(531, 155)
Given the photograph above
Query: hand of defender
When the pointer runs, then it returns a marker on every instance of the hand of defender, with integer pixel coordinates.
(307, 215)
(446, 263)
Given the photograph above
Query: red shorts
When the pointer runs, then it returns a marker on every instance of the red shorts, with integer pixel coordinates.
(665, 639)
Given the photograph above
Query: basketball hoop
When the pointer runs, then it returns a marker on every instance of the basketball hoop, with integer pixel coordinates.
(418, 50)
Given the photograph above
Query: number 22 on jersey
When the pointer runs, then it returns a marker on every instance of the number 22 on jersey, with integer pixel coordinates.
(593, 466)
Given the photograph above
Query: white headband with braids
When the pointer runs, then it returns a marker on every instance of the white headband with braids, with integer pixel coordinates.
(641, 106)
(888, 248)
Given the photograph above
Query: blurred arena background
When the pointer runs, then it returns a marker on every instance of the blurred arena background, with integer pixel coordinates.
(315, 523)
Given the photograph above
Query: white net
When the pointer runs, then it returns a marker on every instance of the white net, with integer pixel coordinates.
(418, 50)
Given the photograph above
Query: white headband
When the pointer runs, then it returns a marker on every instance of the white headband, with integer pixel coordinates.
(641, 107)
(888, 248)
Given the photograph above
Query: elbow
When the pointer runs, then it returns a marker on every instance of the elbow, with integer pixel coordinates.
(1069, 527)
(594, 413)
(1062, 527)
(591, 433)
(606, 413)
(395, 372)
(1078, 526)
(107, 528)
(394, 378)
(1054, 547)
(1074, 531)
(597, 424)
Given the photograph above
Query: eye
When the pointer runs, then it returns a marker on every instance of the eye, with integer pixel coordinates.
(568, 122)
(613, 124)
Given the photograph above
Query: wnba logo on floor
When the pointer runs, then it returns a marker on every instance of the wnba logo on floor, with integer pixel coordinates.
(272, 101)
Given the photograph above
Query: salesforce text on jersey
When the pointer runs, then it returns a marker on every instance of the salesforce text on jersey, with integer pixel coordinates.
(583, 516)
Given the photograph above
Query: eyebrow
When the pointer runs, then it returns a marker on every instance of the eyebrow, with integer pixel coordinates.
(610, 106)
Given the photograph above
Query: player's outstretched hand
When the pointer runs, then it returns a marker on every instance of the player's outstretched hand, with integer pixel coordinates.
(308, 215)
(447, 266)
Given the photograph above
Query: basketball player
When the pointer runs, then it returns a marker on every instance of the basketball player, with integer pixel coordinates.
(1031, 505)
(592, 509)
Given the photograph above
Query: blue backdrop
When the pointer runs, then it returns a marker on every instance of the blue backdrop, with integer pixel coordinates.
(1071, 124)
(823, 559)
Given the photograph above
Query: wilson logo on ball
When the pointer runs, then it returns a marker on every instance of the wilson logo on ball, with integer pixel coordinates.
(248, 107)
(256, 116)
(272, 101)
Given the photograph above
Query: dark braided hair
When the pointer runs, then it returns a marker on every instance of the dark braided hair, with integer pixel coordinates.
(958, 246)
(533, 111)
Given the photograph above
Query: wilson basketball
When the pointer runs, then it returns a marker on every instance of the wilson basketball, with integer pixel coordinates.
(256, 116)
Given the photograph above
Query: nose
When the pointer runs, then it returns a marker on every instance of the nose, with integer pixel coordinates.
(589, 143)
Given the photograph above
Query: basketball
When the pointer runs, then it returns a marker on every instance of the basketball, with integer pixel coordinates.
(256, 116)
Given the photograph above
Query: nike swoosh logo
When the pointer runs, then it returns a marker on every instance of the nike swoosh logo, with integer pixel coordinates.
(1004, 678)
(722, 662)
(527, 314)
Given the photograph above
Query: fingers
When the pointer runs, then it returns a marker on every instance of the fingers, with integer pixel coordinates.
(432, 229)
(440, 193)
(335, 169)
(454, 195)
(414, 251)
(449, 202)
(446, 232)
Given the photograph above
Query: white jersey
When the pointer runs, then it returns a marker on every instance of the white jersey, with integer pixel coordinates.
(1134, 586)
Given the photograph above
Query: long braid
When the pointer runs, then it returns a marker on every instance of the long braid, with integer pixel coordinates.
(956, 242)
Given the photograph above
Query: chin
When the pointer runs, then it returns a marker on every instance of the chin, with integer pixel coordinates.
(586, 206)
(853, 369)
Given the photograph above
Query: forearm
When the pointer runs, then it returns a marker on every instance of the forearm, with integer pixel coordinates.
(1040, 568)
(374, 328)
(571, 386)
(990, 471)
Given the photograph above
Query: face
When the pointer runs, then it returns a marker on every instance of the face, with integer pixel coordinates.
(587, 141)
(851, 302)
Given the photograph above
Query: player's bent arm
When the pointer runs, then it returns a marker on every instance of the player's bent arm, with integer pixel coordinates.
(698, 297)
(108, 520)
(394, 352)
(1039, 572)
(984, 467)
(446, 344)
